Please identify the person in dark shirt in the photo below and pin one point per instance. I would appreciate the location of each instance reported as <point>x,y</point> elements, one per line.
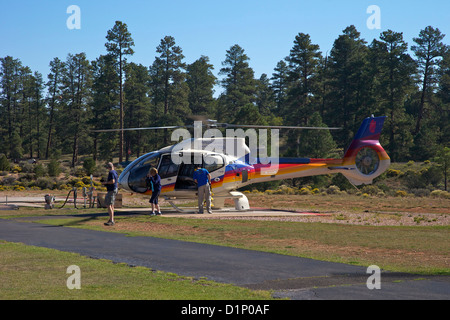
<point>154,182</point>
<point>112,190</point>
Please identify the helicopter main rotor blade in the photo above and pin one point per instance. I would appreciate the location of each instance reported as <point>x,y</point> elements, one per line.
<point>225,125</point>
<point>145,128</point>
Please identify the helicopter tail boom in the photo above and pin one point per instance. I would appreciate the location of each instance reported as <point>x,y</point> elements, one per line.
<point>364,159</point>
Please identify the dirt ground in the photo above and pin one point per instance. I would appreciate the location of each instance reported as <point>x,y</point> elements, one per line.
<point>345,209</point>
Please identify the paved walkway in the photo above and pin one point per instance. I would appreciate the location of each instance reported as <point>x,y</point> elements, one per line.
<point>297,278</point>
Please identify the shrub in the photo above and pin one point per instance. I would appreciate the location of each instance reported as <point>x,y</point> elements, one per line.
<point>333,190</point>
<point>401,193</point>
<point>19,188</point>
<point>8,181</point>
<point>80,184</point>
<point>89,166</point>
<point>4,163</point>
<point>440,194</point>
<point>305,191</point>
<point>370,189</point>
<point>39,170</point>
<point>54,169</point>
<point>45,183</point>
<point>391,173</point>
<point>27,167</point>
<point>420,192</point>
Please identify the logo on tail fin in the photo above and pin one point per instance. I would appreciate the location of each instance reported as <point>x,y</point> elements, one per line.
<point>373,126</point>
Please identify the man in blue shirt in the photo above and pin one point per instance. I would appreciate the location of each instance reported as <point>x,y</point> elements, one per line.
<point>112,188</point>
<point>203,180</point>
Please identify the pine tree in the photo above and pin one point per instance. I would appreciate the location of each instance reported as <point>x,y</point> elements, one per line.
<point>443,106</point>
<point>119,46</point>
<point>54,85</point>
<point>169,85</point>
<point>316,143</point>
<point>280,86</point>
<point>239,83</point>
<point>10,83</point>
<point>428,49</point>
<point>348,84</point>
<point>104,111</point>
<point>76,96</point>
<point>138,106</point>
<point>265,97</point>
<point>394,84</point>
<point>39,110</point>
<point>201,81</point>
<point>303,61</point>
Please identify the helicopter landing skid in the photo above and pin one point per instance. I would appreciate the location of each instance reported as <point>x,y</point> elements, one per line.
<point>240,202</point>
<point>178,208</point>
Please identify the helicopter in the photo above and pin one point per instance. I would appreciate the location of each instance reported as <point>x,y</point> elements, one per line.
<point>238,165</point>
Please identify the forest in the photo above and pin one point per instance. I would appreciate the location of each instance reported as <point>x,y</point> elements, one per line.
<point>46,117</point>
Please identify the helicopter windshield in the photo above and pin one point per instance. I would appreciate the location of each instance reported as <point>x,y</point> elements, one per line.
<point>136,181</point>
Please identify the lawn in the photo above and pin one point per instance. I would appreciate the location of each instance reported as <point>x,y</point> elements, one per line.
<point>34,273</point>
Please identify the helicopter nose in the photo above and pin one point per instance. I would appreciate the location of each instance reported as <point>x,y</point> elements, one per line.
<point>123,180</point>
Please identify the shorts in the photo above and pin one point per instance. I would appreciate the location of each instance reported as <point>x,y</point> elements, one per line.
<point>154,198</point>
<point>111,197</point>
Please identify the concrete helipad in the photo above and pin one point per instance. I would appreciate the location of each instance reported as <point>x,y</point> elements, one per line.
<point>14,202</point>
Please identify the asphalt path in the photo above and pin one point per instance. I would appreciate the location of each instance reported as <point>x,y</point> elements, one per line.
<point>293,277</point>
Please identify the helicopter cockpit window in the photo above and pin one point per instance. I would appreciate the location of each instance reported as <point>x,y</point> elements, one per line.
<point>167,168</point>
<point>212,162</point>
<point>136,181</point>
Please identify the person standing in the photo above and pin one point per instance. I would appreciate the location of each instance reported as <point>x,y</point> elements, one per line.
<point>203,179</point>
<point>154,181</point>
<point>112,190</point>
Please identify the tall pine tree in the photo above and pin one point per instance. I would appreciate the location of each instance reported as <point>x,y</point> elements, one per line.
<point>120,45</point>
<point>201,81</point>
<point>238,82</point>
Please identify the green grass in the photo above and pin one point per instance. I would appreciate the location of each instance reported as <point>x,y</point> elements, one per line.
<point>34,273</point>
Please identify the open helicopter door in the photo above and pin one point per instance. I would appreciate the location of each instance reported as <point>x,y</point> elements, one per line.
<point>215,165</point>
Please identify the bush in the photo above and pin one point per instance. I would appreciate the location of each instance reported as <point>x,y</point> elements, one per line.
<point>440,194</point>
<point>420,192</point>
<point>89,166</point>
<point>8,181</point>
<point>371,189</point>
<point>401,193</point>
<point>27,167</point>
<point>333,190</point>
<point>305,191</point>
<point>4,163</point>
<point>392,173</point>
<point>53,168</point>
<point>45,183</point>
<point>19,188</point>
<point>39,171</point>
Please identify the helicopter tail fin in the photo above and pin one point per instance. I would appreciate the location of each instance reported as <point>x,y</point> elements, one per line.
<point>365,159</point>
